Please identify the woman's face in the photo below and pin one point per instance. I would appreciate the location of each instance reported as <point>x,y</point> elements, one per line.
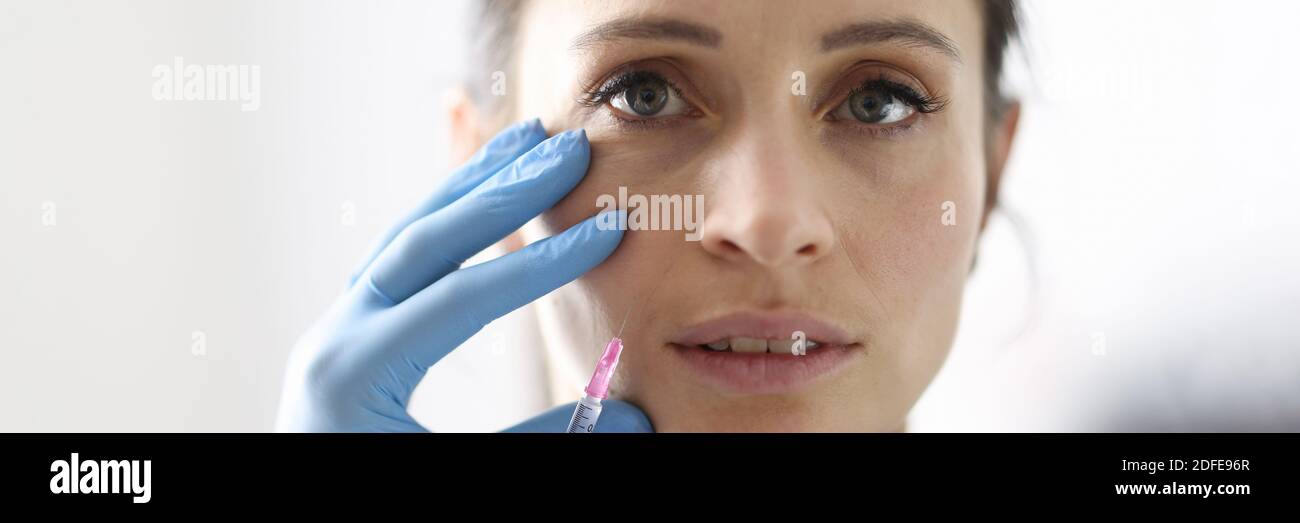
<point>839,148</point>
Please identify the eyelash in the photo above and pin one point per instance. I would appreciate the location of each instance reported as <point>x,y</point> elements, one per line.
<point>602,93</point>
<point>922,103</point>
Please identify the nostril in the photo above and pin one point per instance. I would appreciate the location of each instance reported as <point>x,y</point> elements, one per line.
<point>808,250</point>
<point>730,246</point>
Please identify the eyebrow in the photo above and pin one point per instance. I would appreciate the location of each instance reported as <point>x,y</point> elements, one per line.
<point>908,32</point>
<point>648,29</point>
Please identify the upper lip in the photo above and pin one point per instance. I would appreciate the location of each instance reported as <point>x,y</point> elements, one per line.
<point>762,325</point>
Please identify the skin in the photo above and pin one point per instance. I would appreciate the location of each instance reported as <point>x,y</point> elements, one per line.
<point>837,219</point>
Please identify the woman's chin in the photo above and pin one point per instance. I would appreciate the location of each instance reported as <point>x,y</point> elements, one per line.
<point>827,407</point>
<point>760,414</point>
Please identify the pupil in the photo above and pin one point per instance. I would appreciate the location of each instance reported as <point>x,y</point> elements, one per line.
<point>647,98</point>
<point>871,106</point>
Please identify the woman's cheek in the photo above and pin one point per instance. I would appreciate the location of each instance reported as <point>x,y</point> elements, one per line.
<point>934,238</point>
<point>931,261</point>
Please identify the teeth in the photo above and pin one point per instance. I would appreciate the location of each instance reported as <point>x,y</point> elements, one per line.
<point>756,345</point>
<point>780,346</point>
<point>748,345</point>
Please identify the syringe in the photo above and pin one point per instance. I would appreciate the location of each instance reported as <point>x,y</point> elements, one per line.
<point>588,409</point>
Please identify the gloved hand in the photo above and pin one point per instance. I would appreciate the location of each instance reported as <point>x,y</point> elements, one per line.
<point>410,303</point>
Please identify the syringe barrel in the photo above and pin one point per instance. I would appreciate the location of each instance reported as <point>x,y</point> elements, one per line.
<point>585,415</point>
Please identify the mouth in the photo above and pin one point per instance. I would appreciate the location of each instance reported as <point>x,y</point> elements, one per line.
<point>764,353</point>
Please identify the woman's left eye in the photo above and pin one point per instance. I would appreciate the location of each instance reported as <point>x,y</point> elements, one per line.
<point>875,106</point>
<point>646,96</point>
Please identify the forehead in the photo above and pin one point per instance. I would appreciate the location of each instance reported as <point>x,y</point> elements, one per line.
<point>743,25</point>
<point>792,22</point>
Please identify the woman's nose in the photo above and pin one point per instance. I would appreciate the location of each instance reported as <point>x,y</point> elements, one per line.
<point>766,211</point>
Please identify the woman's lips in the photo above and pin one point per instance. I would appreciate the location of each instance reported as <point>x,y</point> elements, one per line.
<point>745,369</point>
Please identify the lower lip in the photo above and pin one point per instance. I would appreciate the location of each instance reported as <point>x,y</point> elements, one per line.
<point>764,373</point>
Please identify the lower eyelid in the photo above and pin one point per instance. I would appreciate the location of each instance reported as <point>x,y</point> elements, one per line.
<point>640,124</point>
<point>894,130</point>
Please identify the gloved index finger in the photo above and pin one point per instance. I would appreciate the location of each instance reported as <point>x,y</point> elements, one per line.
<point>495,155</point>
<point>439,243</point>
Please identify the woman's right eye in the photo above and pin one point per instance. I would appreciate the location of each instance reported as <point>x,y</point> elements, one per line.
<point>644,95</point>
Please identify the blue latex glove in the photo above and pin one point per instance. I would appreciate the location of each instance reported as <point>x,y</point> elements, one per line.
<point>410,303</point>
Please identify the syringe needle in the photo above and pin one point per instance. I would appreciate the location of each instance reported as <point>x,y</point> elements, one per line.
<point>627,315</point>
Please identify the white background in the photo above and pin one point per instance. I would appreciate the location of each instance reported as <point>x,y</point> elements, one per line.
<point>1156,174</point>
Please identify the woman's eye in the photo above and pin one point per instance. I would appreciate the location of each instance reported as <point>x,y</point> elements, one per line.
<point>647,97</point>
<point>875,106</point>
